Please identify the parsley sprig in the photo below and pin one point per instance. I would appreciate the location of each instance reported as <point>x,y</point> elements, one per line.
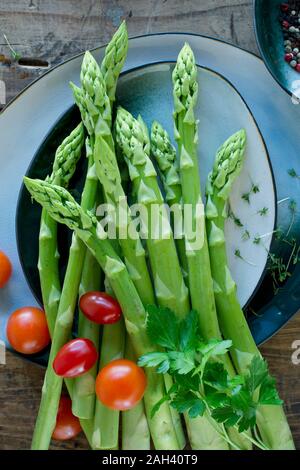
<point>201,384</point>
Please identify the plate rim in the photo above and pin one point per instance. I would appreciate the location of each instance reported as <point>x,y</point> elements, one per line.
<point>139,36</point>
<point>123,74</point>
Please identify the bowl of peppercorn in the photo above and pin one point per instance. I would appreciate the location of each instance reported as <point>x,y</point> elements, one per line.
<point>277,27</point>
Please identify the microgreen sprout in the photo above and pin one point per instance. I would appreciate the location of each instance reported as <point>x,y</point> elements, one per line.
<point>253,190</point>
<point>246,235</point>
<point>246,197</point>
<point>257,240</point>
<point>292,172</point>
<point>238,254</point>
<point>14,54</point>
<point>263,211</point>
<point>235,219</point>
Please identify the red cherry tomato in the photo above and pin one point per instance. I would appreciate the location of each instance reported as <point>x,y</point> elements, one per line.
<point>27,330</point>
<point>75,358</point>
<point>67,425</point>
<point>5,269</point>
<point>121,384</point>
<point>100,307</point>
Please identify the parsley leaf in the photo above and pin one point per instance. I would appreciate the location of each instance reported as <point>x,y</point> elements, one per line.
<point>216,376</point>
<point>188,381</point>
<point>214,347</point>
<point>268,394</point>
<point>225,415</point>
<point>189,402</point>
<point>182,362</point>
<point>162,327</point>
<point>154,359</point>
<point>189,332</point>
<point>258,371</point>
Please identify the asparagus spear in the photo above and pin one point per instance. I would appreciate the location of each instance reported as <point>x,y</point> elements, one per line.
<point>165,155</point>
<point>89,101</point>
<point>169,285</point>
<point>271,420</point>
<point>185,94</point>
<point>133,251</point>
<point>170,289</point>
<point>64,165</point>
<point>110,178</point>
<point>135,429</point>
<point>63,208</point>
<point>95,110</point>
<point>51,391</point>
<point>83,397</point>
<point>106,424</point>
<point>113,61</point>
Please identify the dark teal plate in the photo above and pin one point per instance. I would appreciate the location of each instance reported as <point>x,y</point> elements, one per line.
<point>270,42</point>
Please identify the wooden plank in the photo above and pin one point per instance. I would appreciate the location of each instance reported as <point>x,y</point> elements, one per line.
<point>56,30</point>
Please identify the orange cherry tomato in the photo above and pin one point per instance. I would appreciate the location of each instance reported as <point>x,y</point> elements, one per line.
<point>27,330</point>
<point>5,269</point>
<point>67,425</point>
<point>121,384</point>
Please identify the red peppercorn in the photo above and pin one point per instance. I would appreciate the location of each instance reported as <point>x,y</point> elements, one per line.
<point>288,57</point>
<point>297,68</point>
<point>285,24</point>
<point>284,7</point>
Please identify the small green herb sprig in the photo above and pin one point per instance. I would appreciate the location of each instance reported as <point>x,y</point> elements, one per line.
<point>237,221</point>
<point>253,190</point>
<point>246,235</point>
<point>201,384</point>
<point>14,54</point>
<point>263,211</point>
<point>238,254</point>
<point>292,172</point>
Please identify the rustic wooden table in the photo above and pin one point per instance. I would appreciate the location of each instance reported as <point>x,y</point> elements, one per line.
<point>55,30</point>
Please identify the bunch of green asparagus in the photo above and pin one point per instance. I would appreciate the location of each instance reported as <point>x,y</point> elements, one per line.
<point>186,269</point>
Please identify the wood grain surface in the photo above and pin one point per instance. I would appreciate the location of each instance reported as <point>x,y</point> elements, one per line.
<point>54,30</point>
